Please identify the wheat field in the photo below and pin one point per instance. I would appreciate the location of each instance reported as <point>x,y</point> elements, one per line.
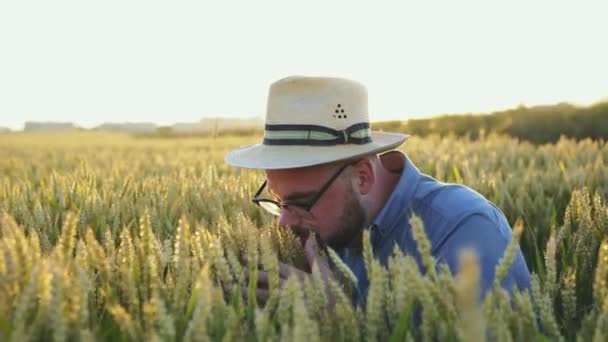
<point>107,237</point>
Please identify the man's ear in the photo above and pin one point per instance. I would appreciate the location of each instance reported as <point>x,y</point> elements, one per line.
<point>363,176</point>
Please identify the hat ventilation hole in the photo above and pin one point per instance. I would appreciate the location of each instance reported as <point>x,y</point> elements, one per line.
<point>340,111</point>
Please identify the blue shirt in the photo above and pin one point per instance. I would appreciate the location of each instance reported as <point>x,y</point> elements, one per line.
<point>454,217</point>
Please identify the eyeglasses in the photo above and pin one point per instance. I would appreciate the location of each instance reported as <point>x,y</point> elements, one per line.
<point>275,207</point>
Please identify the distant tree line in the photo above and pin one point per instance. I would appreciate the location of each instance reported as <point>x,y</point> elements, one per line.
<point>170,132</point>
<point>540,124</point>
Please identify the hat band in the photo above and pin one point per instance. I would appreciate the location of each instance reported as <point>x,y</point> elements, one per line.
<point>313,135</point>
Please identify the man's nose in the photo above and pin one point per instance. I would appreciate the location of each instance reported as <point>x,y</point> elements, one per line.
<point>288,219</point>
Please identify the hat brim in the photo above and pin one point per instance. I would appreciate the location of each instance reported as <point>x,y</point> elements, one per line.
<point>265,157</point>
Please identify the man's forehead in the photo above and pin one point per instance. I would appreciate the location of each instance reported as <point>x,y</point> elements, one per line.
<point>286,181</point>
<point>326,167</point>
<point>300,171</point>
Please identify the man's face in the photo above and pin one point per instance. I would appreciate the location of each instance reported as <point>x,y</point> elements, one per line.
<point>337,217</point>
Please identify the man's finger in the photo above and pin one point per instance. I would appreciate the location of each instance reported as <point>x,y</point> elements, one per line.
<point>261,295</point>
<point>285,270</point>
<point>310,249</point>
<point>322,264</point>
<point>245,261</point>
<point>263,278</point>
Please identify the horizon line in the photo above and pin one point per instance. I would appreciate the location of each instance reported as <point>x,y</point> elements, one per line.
<point>261,117</point>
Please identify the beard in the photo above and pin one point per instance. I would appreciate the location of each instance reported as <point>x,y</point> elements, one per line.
<point>352,223</point>
<point>350,230</point>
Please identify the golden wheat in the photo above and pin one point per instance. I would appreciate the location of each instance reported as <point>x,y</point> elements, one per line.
<point>116,238</point>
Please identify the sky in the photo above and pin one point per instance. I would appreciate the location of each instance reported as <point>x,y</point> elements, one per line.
<point>90,62</point>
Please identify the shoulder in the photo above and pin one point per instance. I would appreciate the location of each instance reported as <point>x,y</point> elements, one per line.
<point>452,201</point>
<point>454,209</point>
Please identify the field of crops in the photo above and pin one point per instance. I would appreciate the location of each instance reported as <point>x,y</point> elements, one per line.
<point>110,237</point>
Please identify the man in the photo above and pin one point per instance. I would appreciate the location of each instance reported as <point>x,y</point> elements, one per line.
<point>324,174</point>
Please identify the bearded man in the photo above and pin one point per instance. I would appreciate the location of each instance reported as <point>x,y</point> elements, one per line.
<point>328,173</point>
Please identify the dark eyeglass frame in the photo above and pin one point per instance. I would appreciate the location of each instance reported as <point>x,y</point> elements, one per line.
<point>263,202</point>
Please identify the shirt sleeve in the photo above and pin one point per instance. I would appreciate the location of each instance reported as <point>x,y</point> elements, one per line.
<point>489,240</point>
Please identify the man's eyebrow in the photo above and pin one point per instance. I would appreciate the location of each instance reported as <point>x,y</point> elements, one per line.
<point>295,195</point>
<point>299,195</point>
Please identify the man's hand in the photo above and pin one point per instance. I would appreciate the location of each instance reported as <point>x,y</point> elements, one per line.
<point>285,271</point>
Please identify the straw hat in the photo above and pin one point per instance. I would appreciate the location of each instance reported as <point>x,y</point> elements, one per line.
<point>311,121</point>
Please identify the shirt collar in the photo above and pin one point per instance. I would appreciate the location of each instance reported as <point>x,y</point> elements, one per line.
<point>400,199</point>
